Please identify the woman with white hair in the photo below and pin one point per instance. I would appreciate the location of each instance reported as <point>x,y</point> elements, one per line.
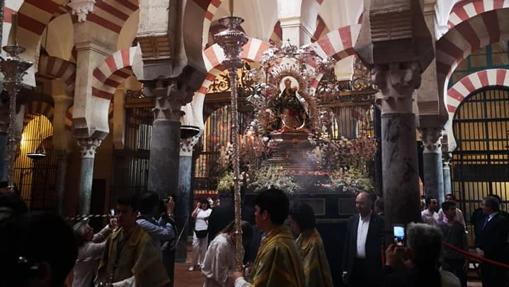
<point>91,247</point>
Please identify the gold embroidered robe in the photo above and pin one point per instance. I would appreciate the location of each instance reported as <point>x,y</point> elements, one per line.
<point>316,267</point>
<point>137,256</point>
<point>278,262</point>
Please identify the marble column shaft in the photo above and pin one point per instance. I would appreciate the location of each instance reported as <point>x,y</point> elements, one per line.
<point>164,157</point>
<point>61,139</point>
<point>447,177</point>
<point>183,209</point>
<point>432,164</point>
<point>184,204</point>
<point>399,147</point>
<point>88,150</point>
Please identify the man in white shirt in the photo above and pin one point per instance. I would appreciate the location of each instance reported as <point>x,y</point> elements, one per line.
<point>430,215</point>
<point>459,214</point>
<point>363,245</point>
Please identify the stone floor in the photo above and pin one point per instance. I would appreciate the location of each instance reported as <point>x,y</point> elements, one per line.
<point>184,278</point>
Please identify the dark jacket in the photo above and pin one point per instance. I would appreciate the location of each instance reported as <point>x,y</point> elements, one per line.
<point>493,238</point>
<point>374,246</point>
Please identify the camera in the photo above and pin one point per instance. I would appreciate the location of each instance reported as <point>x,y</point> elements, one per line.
<point>399,235</point>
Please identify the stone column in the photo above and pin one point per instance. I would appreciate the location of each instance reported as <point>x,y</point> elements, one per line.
<point>432,163</point>
<point>165,141</point>
<point>183,205</point>
<point>61,140</point>
<point>397,82</point>
<point>447,177</point>
<point>88,148</point>
<point>377,124</point>
<point>60,182</point>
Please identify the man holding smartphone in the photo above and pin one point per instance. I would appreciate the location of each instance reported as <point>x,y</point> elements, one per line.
<point>363,245</point>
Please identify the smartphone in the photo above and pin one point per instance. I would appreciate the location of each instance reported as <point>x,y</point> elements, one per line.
<point>399,235</point>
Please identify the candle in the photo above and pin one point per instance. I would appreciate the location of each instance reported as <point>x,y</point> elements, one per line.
<point>231,7</point>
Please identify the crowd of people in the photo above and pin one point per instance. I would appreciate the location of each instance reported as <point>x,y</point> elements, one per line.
<point>137,246</point>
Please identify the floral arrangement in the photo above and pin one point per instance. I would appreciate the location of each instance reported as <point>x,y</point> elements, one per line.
<point>347,161</point>
<point>272,177</point>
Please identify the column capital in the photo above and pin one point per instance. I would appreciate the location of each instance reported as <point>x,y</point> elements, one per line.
<point>81,8</point>
<point>431,139</point>
<point>397,81</point>
<point>88,147</point>
<point>187,145</point>
<point>169,101</point>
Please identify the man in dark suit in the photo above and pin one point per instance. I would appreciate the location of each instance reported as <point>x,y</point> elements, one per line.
<point>493,241</point>
<point>362,256</point>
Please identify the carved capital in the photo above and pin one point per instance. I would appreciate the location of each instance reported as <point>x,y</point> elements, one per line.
<point>81,8</point>
<point>397,82</point>
<point>431,140</point>
<point>187,145</point>
<point>169,101</point>
<point>88,147</point>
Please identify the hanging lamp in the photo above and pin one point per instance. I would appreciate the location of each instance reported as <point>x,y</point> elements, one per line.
<point>40,151</point>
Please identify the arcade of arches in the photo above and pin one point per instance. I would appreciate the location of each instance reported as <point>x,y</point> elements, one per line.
<point>129,96</point>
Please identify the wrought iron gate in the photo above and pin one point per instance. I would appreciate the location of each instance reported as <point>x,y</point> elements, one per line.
<point>480,163</point>
<point>132,162</point>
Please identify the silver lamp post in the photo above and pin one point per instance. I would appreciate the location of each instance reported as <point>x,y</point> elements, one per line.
<point>232,39</point>
<point>13,68</point>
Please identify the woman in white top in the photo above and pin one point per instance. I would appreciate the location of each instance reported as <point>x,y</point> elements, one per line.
<point>201,216</point>
<point>91,247</point>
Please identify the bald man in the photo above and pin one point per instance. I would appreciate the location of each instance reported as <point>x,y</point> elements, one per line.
<point>363,245</point>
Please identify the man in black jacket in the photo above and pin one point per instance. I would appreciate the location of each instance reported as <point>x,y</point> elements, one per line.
<point>363,246</point>
<point>493,241</point>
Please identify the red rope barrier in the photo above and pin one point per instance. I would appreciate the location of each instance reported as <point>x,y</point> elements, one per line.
<point>476,257</point>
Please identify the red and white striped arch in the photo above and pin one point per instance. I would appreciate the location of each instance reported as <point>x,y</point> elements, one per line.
<point>321,29</point>
<point>337,44</point>
<point>465,39</point>
<point>464,10</point>
<point>253,50</point>
<point>213,56</point>
<point>211,7</point>
<point>277,33</point>
<point>55,68</point>
<point>468,85</point>
<point>107,76</point>
<point>33,18</point>
<point>112,72</point>
<point>112,14</point>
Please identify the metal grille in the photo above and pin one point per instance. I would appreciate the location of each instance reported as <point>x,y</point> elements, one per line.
<point>35,179</point>
<point>217,134</point>
<point>351,122</point>
<point>480,163</point>
<point>132,162</point>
